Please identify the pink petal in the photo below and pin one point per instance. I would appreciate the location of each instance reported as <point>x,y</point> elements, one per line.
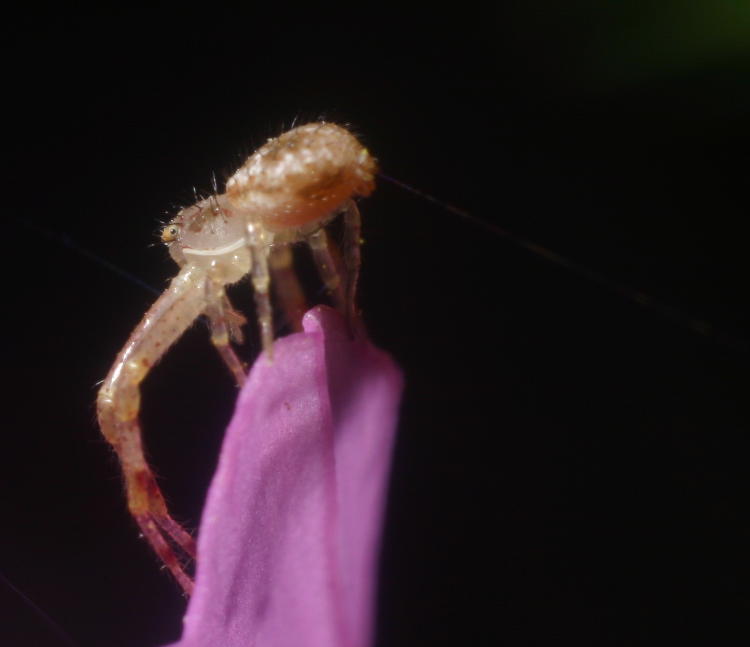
<point>289,539</point>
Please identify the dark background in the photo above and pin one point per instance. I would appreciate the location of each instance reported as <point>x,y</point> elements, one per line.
<point>571,467</point>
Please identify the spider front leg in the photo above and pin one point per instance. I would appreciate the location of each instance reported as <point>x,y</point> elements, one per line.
<point>225,324</point>
<point>118,405</point>
<point>235,320</point>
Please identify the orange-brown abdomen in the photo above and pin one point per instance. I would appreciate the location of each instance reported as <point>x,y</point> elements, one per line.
<point>302,176</point>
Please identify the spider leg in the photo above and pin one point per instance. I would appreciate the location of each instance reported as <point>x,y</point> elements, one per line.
<point>351,251</point>
<point>154,521</point>
<point>221,325</point>
<point>118,405</point>
<point>286,286</point>
<point>259,242</point>
<point>326,264</point>
<point>235,320</point>
<point>164,552</point>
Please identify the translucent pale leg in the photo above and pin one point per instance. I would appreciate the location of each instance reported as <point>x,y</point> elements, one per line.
<point>259,243</point>
<point>235,319</point>
<point>326,264</point>
<point>352,242</point>
<point>118,405</point>
<point>219,311</point>
<point>286,286</point>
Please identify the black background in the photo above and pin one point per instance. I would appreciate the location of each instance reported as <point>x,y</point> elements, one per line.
<point>571,467</point>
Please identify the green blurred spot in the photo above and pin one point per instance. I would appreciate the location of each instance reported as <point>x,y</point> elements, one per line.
<point>619,41</point>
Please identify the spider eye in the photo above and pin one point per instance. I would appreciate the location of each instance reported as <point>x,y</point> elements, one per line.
<point>169,233</point>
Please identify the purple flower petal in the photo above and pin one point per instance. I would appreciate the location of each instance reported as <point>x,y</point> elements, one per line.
<point>289,537</point>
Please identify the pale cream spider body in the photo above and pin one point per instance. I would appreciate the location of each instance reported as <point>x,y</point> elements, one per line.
<point>286,192</point>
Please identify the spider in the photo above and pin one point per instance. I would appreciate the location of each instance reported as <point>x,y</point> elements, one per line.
<point>286,192</point>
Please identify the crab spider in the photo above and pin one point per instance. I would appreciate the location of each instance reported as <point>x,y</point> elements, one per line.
<point>286,192</point>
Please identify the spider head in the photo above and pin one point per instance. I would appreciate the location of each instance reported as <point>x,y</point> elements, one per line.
<point>211,235</point>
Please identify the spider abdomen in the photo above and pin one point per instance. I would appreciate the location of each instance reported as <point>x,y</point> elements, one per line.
<point>302,176</point>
